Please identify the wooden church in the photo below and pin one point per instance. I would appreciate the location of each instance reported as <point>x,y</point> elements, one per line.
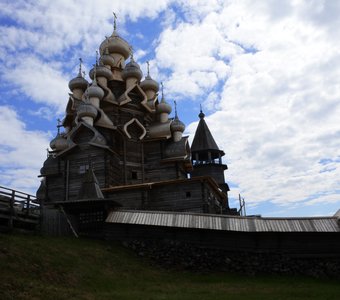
<point>120,149</point>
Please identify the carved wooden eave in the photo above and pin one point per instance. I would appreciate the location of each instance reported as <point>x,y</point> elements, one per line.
<point>117,72</point>
<point>70,104</point>
<point>75,146</point>
<point>103,120</point>
<point>125,97</point>
<point>177,151</point>
<point>159,130</point>
<point>66,151</point>
<point>139,124</point>
<point>97,137</point>
<point>149,105</point>
<point>108,96</point>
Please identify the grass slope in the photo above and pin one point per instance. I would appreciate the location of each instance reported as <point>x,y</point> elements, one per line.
<point>34,267</point>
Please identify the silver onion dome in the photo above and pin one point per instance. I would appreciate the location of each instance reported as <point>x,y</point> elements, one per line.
<point>163,107</point>
<point>78,82</point>
<point>132,69</point>
<point>177,125</point>
<point>149,84</point>
<point>115,44</point>
<point>102,71</point>
<point>107,59</point>
<point>94,90</point>
<point>87,110</point>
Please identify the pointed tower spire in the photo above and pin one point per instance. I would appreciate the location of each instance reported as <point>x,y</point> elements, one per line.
<point>204,144</point>
<point>207,157</point>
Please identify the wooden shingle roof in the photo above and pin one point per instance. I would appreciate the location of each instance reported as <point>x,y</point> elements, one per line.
<point>223,222</point>
<point>203,139</point>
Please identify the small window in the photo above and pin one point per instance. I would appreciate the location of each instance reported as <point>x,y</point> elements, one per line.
<point>188,194</point>
<point>83,169</point>
<point>134,175</point>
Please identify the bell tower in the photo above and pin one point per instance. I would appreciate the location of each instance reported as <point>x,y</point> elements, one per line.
<point>206,157</point>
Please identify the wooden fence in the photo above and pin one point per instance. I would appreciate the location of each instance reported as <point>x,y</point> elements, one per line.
<point>18,210</point>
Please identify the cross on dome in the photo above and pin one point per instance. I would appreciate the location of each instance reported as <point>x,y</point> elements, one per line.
<point>175,104</point>
<point>59,125</point>
<point>114,21</point>
<point>80,64</point>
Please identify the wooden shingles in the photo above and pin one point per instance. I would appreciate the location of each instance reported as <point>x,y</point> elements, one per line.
<point>223,222</point>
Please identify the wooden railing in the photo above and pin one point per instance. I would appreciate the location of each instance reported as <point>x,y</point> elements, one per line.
<point>18,209</point>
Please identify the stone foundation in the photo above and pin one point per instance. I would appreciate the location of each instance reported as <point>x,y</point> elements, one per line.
<point>179,255</point>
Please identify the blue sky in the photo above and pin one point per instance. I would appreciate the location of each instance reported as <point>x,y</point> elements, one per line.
<point>266,73</point>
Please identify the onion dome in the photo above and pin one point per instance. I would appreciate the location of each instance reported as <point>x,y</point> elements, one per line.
<point>59,143</point>
<point>102,71</point>
<point>177,124</point>
<point>78,82</point>
<point>132,69</point>
<point>87,110</point>
<point>53,143</point>
<point>107,59</point>
<point>94,90</point>
<point>148,83</point>
<point>163,106</point>
<point>99,70</point>
<point>50,166</point>
<point>115,44</point>
<point>201,115</point>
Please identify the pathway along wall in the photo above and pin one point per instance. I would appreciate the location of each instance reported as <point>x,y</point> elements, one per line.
<point>312,254</point>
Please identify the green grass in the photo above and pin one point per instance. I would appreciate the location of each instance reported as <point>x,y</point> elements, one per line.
<point>34,267</point>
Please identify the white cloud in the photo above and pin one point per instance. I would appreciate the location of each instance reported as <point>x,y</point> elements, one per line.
<point>22,152</point>
<point>43,112</point>
<point>43,82</point>
<point>269,68</point>
<point>279,108</point>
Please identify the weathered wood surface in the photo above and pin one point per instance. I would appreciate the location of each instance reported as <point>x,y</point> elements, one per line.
<point>225,223</point>
<point>18,209</point>
<point>190,195</point>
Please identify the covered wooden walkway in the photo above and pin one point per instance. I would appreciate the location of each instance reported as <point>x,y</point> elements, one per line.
<point>18,210</point>
<point>225,222</point>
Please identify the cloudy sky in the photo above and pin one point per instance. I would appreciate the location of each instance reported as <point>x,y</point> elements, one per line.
<point>267,74</point>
